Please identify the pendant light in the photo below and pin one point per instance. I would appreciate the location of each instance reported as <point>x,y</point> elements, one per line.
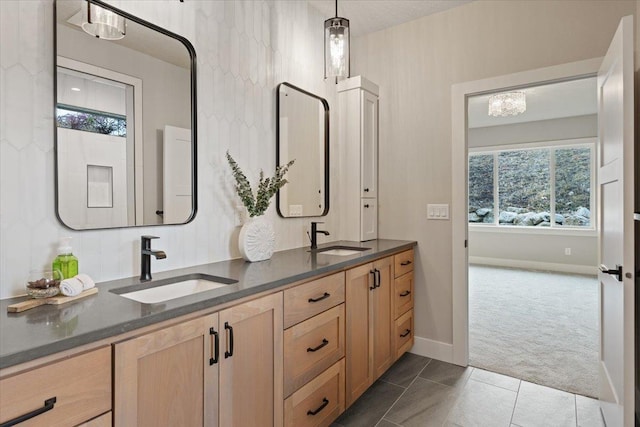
<point>102,23</point>
<point>336,47</point>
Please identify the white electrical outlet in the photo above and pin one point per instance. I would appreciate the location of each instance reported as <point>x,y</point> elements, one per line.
<point>567,251</point>
<point>437,211</point>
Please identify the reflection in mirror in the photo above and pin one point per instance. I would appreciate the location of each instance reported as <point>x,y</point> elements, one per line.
<point>302,133</point>
<point>125,121</point>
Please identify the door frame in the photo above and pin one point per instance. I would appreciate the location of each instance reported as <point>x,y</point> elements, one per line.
<point>460,93</point>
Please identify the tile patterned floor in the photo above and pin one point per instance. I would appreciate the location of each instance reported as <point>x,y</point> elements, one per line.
<point>421,392</point>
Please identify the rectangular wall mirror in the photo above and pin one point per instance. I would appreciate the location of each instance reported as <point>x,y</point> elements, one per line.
<point>302,133</point>
<point>125,138</point>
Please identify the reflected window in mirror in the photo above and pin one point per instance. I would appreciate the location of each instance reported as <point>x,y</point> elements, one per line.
<point>302,134</point>
<point>126,104</point>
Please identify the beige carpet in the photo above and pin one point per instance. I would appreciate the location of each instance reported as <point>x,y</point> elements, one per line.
<point>538,326</point>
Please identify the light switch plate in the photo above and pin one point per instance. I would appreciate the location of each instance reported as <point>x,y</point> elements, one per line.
<point>437,211</point>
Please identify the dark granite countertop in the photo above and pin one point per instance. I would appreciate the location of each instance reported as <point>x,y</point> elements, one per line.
<point>49,329</point>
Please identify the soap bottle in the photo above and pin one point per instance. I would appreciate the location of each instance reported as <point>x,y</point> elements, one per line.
<point>65,261</point>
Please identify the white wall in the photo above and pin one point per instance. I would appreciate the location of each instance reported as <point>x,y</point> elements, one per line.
<point>415,65</point>
<point>244,48</point>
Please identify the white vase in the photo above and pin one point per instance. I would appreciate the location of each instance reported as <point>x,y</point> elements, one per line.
<point>257,239</point>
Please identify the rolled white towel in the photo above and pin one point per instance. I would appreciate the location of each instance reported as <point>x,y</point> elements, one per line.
<point>87,282</point>
<point>71,287</point>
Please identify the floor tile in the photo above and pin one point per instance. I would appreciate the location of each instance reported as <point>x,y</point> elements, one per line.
<point>543,406</point>
<point>446,373</point>
<point>371,406</point>
<point>482,404</point>
<point>588,411</point>
<point>492,378</point>
<point>386,423</point>
<point>405,370</point>
<point>425,403</point>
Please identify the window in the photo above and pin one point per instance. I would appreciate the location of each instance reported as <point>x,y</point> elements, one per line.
<point>532,187</point>
<point>91,121</point>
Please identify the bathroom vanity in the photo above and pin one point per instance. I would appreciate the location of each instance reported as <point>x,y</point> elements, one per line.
<point>295,340</point>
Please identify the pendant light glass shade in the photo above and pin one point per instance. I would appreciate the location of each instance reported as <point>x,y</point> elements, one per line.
<point>102,23</point>
<point>336,47</point>
<point>507,104</point>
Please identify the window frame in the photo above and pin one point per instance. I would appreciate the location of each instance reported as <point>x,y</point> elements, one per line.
<point>551,145</point>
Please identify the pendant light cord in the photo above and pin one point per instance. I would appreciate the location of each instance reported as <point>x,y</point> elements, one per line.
<point>336,8</point>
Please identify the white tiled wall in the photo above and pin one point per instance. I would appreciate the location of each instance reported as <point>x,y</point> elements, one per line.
<point>244,49</point>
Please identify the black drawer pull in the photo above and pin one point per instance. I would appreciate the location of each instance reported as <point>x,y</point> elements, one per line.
<point>325,296</point>
<point>375,280</point>
<point>215,346</point>
<point>324,342</point>
<point>48,405</point>
<point>325,402</point>
<point>406,332</point>
<point>405,293</point>
<point>366,190</point>
<point>405,263</point>
<point>366,206</point>
<point>230,335</point>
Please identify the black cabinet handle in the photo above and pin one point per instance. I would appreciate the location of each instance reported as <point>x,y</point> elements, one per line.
<point>215,346</point>
<point>312,350</point>
<point>325,296</point>
<point>405,293</point>
<point>405,263</point>
<point>375,280</point>
<point>406,332</point>
<point>366,206</point>
<point>230,335</point>
<point>325,402</point>
<point>366,190</point>
<point>379,279</point>
<point>48,405</point>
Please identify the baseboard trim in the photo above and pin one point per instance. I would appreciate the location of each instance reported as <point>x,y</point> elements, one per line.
<point>433,349</point>
<point>535,265</point>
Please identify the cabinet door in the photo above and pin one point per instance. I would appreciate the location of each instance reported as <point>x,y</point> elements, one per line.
<point>368,219</point>
<point>251,363</point>
<point>359,345</point>
<point>164,378</point>
<point>369,145</point>
<point>382,315</point>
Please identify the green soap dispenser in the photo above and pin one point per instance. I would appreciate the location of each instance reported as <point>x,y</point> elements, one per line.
<point>65,261</point>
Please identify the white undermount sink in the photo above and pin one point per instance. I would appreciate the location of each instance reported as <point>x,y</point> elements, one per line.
<point>168,289</point>
<point>340,250</point>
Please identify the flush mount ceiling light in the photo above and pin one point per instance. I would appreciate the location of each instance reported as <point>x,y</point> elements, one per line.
<point>336,47</point>
<point>507,104</point>
<point>102,23</point>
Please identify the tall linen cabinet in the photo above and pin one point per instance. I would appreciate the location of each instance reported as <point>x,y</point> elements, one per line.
<point>358,158</point>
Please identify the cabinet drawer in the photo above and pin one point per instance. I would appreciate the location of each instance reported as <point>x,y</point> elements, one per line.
<point>403,294</point>
<point>319,402</point>
<point>307,300</point>
<point>312,346</point>
<point>404,333</point>
<point>81,386</point>
<point>103,420</point>
<point>403,263</point>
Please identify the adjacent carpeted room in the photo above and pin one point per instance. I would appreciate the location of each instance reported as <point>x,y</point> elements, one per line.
<point>538,326</point>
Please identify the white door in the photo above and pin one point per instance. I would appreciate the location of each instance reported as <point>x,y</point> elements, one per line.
<point>616,186</point>
<point>177,186</point>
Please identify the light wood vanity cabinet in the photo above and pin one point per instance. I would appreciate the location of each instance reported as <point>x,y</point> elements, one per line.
<point>370,320</point>
<point>67,392</point>
<point>220,369</point>
<point>403,303</point>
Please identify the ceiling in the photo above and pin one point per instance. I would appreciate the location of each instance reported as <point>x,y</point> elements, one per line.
<point>550,101</point>
<point>368,16</point>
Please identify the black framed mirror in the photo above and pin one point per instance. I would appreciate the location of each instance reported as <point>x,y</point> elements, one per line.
<point>125,119</point>
<point>302,133</point>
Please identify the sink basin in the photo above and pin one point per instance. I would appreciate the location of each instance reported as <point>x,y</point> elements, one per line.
<point>175,287</point>
<point>340,250</point>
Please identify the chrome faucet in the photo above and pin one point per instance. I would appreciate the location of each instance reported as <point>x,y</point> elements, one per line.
<point>145,258</point>
<point>314,234</point>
